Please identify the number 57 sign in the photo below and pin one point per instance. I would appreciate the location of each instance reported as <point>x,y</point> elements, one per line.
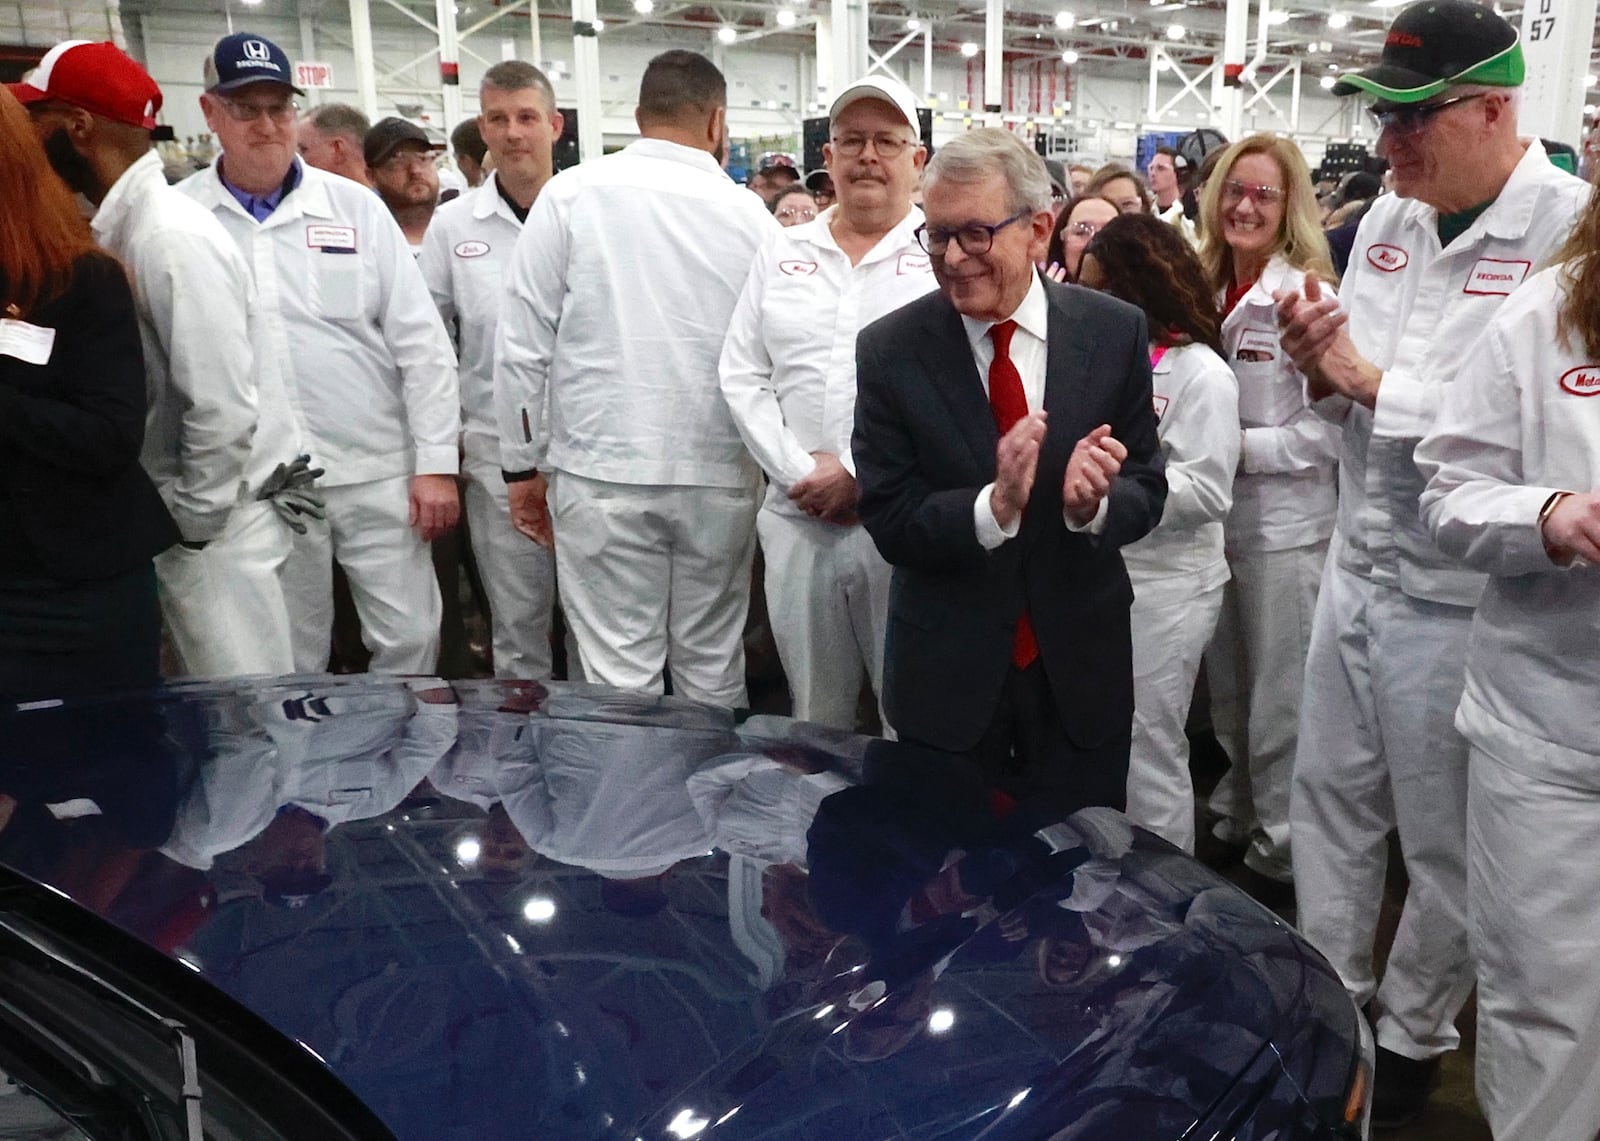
<point>1555,43</point>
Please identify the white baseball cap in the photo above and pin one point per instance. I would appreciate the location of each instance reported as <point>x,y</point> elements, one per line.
<point>883,88</point>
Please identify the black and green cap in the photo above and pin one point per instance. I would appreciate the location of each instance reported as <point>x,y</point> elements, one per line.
<point>1437,44</point>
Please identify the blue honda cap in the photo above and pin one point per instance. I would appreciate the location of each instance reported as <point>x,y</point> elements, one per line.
<point>245,58</point>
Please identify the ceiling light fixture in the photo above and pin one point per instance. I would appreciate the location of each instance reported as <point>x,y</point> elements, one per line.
<point>1176,31</point>
<point>969,49</point>
<point>1327,82</point>
<point>913,25</point>
<point>786,18</point>
<point>1337,20</point>
<point>1069,57</point>
<point>1278,18</point>
<point>1065,19</point>
<point>644,7</point>
<point>727,34</point>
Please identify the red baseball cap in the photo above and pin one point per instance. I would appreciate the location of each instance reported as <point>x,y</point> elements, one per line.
<point>101,78</point>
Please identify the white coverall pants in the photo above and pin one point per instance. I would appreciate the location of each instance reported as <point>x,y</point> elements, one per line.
<point>828,598</point>
<point>1533,883</point>
<point>518,575</point>
<point>656,578</point>
<point>1255,668</point>
<point>391,579</point>
<point>1170,633</point>
<point>224,605</point>
<point>1379,749</point>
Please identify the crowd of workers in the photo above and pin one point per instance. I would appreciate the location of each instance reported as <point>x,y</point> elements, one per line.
<point>1337,445</point>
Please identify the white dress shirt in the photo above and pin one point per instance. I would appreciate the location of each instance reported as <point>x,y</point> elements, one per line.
<point>347,320</point>
<point>1029,354</point>
<point>619,297</point>
<point>789,364</point>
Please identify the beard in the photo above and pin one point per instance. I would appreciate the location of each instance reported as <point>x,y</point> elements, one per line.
<point>71,166</point>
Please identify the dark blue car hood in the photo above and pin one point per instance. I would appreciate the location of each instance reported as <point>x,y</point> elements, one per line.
<point>607,916</point>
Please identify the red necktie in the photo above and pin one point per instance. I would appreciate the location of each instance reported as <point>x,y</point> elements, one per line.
<point>1010,404</point>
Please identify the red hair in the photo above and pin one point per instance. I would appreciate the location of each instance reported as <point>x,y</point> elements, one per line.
<point>42,232</point>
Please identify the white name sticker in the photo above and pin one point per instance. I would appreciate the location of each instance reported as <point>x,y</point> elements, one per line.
<point>30,344</point>
<point>797,268</point>
<point>912,263</point>
<point>1494,277</point>
<point>340,238</point>
<point>1258,341</point>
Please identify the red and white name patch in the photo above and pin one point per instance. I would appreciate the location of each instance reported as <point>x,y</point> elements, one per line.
<point>797,268</point>
<point>1160,403</point>
<point>1493,277</point>
<point>471,249</point>
<point>1582,381</point>
<point>1387,258</point>
<point>912,263</point>
<point>324,237</point>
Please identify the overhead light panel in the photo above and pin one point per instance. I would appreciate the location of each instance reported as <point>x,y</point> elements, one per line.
<point>598,25</point>
<point>1337,20</point>
<point>969,49</point>
<point>644,7</point>
<point>1065,19</point>
<point>1069,57</point>
<point>727,33</point>
<point>1278,18</point>
<point>1176,31</point>
<point>786,17</point>
<point>1327,82</point>
<point>913,25</point>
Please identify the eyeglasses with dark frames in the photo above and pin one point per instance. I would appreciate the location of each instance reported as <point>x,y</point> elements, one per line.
<point>975,238</point>
<point>1410,120</point>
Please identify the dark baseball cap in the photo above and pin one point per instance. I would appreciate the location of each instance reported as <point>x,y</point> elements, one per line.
<point>245,58</point>
<point>386,135</point>
<point>1436,44</point>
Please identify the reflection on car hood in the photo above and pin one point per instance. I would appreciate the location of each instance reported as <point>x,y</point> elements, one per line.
<point>511,911</point>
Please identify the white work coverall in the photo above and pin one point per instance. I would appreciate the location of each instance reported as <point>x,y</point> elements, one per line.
<point>372,381</point>
<point>1522,423</point>
<point>789,375</point>
<point>618,299</point>
<point>215,428</point>
<point>1378,747</point>
<point>465,257</point>
<point>1284,500</point>
<point>1178,572</point>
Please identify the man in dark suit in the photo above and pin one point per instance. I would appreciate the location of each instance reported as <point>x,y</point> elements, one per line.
<point>1006,449</point>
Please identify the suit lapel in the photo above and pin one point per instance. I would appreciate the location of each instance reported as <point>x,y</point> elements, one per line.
<point>1065,375</point>
<point>946,356</point>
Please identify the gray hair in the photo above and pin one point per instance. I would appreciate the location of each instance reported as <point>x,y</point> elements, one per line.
<point>340,119</point>
<point>988,151</point>
<point>519,75</point>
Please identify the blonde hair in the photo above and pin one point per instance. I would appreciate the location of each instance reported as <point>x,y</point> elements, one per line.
<point>1300,240</point>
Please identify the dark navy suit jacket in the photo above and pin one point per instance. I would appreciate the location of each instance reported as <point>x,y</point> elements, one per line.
<point>924,446</point>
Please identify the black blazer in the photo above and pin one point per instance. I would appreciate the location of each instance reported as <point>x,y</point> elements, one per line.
<point>70,433</point>
<point>924,446</point>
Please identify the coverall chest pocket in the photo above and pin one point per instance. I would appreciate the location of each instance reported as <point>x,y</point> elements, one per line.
<point>337,278</point>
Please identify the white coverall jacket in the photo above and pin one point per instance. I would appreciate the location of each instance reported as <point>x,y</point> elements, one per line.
<point>619,297</point>
<point>192,290</point>
<point>348,320</point>
<point>1385,671</point>
<point>788,365</point>
<point>1523,422</point>
<point>1285,493</point>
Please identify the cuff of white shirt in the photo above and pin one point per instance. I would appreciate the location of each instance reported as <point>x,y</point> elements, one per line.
<point>990,533</point>
<point>439,459</point>
<point>1094,526</point>
<point>1402,410</point>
